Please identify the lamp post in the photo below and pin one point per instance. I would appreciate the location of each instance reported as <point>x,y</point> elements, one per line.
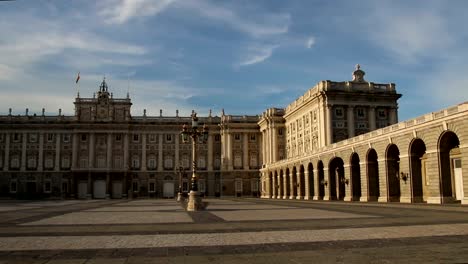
<point>181,172</point>
<point>194,199</point>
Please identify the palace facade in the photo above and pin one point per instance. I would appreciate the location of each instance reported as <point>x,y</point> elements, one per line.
<point>339,141</point>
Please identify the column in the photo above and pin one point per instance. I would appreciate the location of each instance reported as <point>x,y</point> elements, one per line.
<point>267,139</point>
<point>177,146</point>
<point>125,154</point>
<point>245,151</point>
<point>274,148</point>
<point>300,195</point>
<point>285,185</point>
<point>143,151</point>
<point>393,118</point>
<point>91,150</point>
<point>307,185</point>
<point>210,152</point>
<point>316,186</point>
<point>329,124</point>
<point>273,186</point>
<point>57,152</point>
<point>109,151</point>
<point>40,160</point>
<point>260,155</point>
<point>364,189</point>
<point>326,177</point>
<point>229,152</point>
<point>160,152</point>
<point>291,184</point>
<point>23,152</point>
<point>372,118</point>
<point>6,163</point>
<point>383,183</point>
<point>280,192</point>
<point>348,171</point>
<point>351,125</point>
<point>75,151</point>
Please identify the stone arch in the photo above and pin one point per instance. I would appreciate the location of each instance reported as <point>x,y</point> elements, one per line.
<point>355,180</point>
<point>302,189</point>
<point>417,156</point>
<point>321,179</point>
<point>392,157</point>
<point>311,190</point>
<point>337,179</point>
<point>287,188</point>
<point>451,187</point>
<point>372,175</point>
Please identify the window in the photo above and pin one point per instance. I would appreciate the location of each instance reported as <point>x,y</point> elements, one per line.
<point>339,112</point>
<point>135,162</point>
<point>50,137</point>
<point>83,163</point>
<point>237,137</point>
<point>101,162</point>
<point>238,185</point>
<point>254,185</point>
<point>168,163</point>
<point>47,186</point>
<point>32,138</point>
<point>118,162</point>
<point>118,137</point>
<point>360,112</point>
<point>66,162</point>
<point>362,125</point>
<point>13,186</point>
<point>31,162</point>
<point>253,160</point>
<point>66,138</point>
<point>49,162</point>
<point>152,138</point>
<point>201,163</point>
<point>152,163</point>
<point>84,137</point>
<point>201,186</point>
<point>339,124</point>
<point>135,186</point>
<point>16,137</point>
<point>136,137</point>
<point>152,187</point>
<point>217,162</point>
<point>382,113</point>
<point>217,138</point>
<point>280,131</point>
<point>253,137</point>
<point>238,160</point>
<point>168,138</point>
<point>14,163</point>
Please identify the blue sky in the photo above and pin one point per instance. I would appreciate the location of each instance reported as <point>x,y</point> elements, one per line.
<point>241,55</point>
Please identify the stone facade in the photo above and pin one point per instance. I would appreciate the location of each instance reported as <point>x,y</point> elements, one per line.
<point>339,141</point>
<point>104,152</point>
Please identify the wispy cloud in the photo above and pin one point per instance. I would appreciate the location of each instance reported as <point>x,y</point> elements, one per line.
<point>310,42</point>
<point>257,53</point>
<point>121,11</point>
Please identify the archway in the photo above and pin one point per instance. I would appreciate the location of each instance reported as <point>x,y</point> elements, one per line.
<point>451,179</point>
<point>310,169</point>
<point>302,182</point>
<point>321,179</point>
<point>287,188</point>
<point>355,177</point>
<point>393,171</point>
<point>417,152</point>
<point>337,182</point>
<point>372,175</point>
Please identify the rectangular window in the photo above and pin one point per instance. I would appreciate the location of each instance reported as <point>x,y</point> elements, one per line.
<point>66,138</point>
<point>47,186</point>
<point>32,138</point>
<point>168,138</point>
<point>382,113</point>
<point>16,137</point>
<point>217,138</point>
<point>152,138</point>
<point>135,186</point>
<point>253,137</point>
<point>360,112</point>
<point>136,137</point>
<point>84,137</point>
<point>50,137</point>
<point>118,137</point>
<point>280,131</point>
<point>339,112</point>
<point>237,137</point>
<point>152,187</point>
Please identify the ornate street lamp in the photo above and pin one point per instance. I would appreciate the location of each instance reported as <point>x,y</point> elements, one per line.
<point>194,132</point>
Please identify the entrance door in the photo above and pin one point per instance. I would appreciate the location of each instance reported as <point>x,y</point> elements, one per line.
<point>82,190</point>
<point>168,190</point>
<point>117,190</point>
<point>99,189</point>
<point>458,177</point>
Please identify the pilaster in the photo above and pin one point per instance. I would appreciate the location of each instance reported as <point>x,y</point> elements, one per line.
<point>6,163</point>
<point>364,185</point>
<point>307,185</point>
<point>245,151</point>
<point>143,151</point>
<point>23,152</point>
<point>160,152</point>
<point>40,161</point>
<point>57,152</point>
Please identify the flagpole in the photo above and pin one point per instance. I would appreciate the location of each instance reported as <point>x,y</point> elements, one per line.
<point>78,85</point>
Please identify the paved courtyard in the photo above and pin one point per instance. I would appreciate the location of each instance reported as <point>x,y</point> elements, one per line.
<point>231,231</point>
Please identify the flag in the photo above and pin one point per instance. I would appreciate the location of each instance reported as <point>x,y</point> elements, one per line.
<point>77,77</point>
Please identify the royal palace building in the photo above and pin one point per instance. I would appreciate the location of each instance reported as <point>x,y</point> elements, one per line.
<point>338,141</point>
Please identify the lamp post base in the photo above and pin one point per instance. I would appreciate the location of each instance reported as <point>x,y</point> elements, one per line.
<point>194,202</point>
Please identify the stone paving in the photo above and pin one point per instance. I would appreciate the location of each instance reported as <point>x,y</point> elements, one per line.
<point>231,231</point>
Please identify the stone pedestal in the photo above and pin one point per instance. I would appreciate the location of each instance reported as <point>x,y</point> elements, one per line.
<point>179,196</point>
<point>194,202</point>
